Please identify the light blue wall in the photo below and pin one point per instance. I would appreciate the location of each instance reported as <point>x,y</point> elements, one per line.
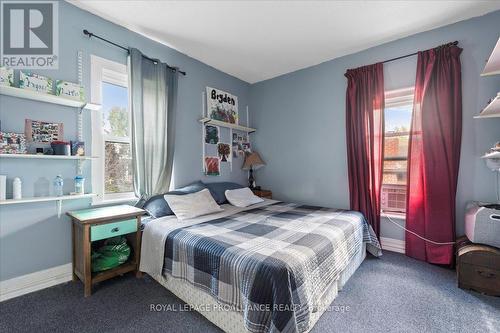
<point>300,119</point>
<point>32,238</point>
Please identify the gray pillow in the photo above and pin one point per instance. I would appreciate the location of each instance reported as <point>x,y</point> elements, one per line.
<point>218,190</point>
<point>157,207</point>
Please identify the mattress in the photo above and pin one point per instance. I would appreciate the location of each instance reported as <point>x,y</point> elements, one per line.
<point>231,321</point>
<point>277,265</point>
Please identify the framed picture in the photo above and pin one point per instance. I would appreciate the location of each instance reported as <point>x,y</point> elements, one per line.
<point>43,132</point>
<point>212,166</point>
<point>222,106</point>
<point>211,134</point>
<point>70,90</point>
<point>12,143</point>
<point>6,77</point>
<point>35,82</point>
<point>224,151</point>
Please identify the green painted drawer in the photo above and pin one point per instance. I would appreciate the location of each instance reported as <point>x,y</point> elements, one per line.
<point>113,229</point>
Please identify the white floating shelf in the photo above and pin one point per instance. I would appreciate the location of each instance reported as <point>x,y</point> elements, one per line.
<point>495,154</point>
<point>492,110</point>
<point>47,98</point>
<point>44,199</point>
<point>227,125</point>
<point>493,65</point>
<point>47,157</point>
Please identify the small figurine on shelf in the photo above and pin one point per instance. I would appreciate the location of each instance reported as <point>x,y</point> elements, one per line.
<point>77,148</point>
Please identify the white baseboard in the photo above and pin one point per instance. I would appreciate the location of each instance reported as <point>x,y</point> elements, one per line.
<point>28,283</point>
<point>391,244</point>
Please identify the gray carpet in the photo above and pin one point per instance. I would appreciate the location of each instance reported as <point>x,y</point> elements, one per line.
<point>391,294</point>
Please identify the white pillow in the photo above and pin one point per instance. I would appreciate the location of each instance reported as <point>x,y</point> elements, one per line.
<point>191,205</point>
<point>242,197</point>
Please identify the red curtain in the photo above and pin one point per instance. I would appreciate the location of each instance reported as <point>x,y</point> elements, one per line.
<point>365,139</point>
<point>434,154</point>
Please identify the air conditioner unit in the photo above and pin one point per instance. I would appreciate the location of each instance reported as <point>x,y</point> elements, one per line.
<point>393,198</point>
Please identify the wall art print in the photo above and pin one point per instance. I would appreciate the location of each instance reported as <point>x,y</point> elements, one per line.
<point>35,82</point>
<point>211,134</point>
<point>212,166</point>
<point>43,132</point>
<point>224,151</point>
<point>12,143</point>
<point>222,106</point>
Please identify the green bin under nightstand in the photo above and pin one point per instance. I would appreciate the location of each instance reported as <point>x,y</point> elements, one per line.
<point>89,225</point>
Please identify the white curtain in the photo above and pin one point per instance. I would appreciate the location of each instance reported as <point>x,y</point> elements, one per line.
<point>153,95</point>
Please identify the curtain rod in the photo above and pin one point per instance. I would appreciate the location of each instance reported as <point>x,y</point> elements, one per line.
<point>90,34</point>
<point>415,53</point>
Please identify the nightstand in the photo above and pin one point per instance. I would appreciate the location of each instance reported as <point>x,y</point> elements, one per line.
<point>90,225</point>
<point>263,193</point>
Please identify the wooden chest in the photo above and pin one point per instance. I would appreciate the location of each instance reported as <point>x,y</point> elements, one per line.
<point>478,267</point>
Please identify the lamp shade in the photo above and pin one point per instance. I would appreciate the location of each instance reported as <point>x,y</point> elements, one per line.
<point>253,161</point>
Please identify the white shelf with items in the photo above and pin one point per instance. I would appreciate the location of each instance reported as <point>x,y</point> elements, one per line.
<point>47,98</point>
<point>44,199</point>
<point>493,65</point>
<point>208,121</point>
<point>492,110</point>
<point>495,154</point>
<point>47,157</point>
<point>58,200</point>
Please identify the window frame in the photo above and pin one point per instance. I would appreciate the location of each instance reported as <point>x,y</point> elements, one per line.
<point>104,70</point>
<point>396,98</point>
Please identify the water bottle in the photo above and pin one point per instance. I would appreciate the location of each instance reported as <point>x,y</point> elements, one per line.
<point>58,186</point>
<point>79,184</point>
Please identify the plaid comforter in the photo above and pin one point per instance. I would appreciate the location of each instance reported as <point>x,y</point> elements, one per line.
<point>273,263</point>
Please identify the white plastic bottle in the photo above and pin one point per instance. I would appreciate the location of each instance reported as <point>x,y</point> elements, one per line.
<point>16,188</point>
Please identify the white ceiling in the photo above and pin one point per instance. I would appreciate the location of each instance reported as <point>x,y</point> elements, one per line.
<point>259,40</point>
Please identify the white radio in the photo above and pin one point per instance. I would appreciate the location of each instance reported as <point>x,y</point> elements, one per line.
<point>482,223</point>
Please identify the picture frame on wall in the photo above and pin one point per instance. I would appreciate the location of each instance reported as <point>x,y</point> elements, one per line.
<point>222,106</point>
<point>12,143</point>
<point>212,166</point>
<point>35,82</point>
<point>42,131</point>
<point>6,76</point>
<point>70,90</point>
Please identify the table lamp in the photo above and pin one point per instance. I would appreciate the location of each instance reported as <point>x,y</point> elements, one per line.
<point>252,162</point>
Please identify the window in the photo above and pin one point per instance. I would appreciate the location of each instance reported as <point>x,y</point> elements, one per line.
<point>397,115</point>
<point>112,173</point>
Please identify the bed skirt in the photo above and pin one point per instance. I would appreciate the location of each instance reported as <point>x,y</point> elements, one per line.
<point>232,321</point>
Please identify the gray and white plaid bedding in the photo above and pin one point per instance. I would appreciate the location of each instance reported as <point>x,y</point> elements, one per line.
<point>273,262</point>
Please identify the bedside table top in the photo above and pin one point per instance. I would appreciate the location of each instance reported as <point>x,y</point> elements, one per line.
<point>261,191</point>
<point>105,213</point>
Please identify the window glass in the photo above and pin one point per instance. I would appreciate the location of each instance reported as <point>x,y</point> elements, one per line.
<point>397,130</point>
<point>118,168</point>
<point>115,110</point>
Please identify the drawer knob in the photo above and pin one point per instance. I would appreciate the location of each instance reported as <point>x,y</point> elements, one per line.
<point>487,275</point>
<point>116,229</point>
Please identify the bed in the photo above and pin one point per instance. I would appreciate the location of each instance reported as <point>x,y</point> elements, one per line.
<point>270,267</point>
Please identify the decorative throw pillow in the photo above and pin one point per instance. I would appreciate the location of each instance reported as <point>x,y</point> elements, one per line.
<point>192,205</point>
<point>242,197</point>
<point>157,207</point>
<point>218,190</point>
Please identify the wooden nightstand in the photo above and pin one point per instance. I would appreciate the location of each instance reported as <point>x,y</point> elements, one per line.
<point>91,225</point>
<point>263,193</point>
<point>478,267</point>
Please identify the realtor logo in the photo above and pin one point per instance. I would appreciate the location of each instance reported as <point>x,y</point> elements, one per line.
<point>30,34</point>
